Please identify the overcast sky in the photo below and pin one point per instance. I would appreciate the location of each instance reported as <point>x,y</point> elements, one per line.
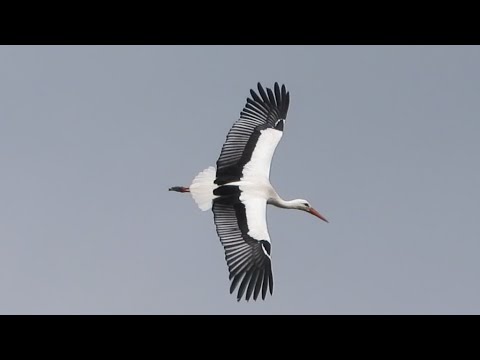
<point>382,140</point>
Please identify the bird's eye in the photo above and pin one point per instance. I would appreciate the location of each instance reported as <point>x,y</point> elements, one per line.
<point>306,204</point>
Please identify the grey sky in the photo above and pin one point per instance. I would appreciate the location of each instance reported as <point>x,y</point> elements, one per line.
<point>382,140</point>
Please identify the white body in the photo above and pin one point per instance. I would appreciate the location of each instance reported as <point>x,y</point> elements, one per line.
<point>254,184</point>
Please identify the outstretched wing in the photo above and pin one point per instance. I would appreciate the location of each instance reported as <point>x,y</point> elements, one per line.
<point>252,140</point>
<point>243,232</point>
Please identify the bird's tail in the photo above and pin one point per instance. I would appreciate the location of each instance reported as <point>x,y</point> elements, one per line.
<point>202,188</point>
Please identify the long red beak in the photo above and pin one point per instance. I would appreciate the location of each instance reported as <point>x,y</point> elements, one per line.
<point>317,214</point>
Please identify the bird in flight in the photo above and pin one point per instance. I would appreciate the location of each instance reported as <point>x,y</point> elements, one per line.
<point>238,191</point>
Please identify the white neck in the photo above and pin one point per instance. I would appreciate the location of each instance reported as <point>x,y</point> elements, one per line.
<point>285,204</point>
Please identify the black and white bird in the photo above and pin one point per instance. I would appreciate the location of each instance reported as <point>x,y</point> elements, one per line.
<point>239,189</point>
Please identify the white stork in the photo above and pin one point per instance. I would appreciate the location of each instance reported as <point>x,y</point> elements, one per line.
<point>238,191</point>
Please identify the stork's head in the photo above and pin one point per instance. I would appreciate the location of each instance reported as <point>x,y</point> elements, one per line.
<point>304,205</point>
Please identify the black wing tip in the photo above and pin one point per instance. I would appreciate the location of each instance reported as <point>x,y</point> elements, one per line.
<point>263,297</point>
<point>277,100</point>
<point>276,85</point>
<point>266,287</point>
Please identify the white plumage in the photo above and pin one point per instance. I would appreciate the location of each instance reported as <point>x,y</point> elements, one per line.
<point>202,188</point>
<point>238,191</point>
